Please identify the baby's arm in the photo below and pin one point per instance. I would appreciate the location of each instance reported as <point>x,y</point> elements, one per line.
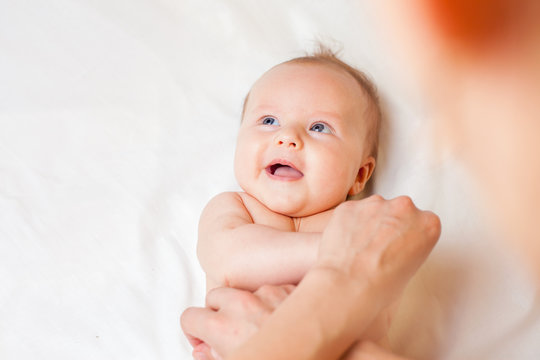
<point>235,252</point>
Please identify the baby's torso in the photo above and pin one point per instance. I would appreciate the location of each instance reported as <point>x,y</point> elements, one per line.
<point>261,215</point>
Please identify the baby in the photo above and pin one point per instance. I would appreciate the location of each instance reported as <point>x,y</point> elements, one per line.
<point>307,142</point>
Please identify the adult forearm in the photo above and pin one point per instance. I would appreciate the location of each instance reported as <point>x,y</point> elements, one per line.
<point>320,320</point>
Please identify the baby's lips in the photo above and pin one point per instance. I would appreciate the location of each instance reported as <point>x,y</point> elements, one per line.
<point>278,162</point>
<point>287,172</point>
<point>281,169</point>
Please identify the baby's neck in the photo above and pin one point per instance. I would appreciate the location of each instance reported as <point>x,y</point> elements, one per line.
<point>262,215</point>
<point>312,223</point>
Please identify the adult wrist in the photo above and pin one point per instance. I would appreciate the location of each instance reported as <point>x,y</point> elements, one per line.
<point>352,302</point>
<point>326,313</point>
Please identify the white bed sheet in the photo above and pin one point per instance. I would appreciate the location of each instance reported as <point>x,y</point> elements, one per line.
<point>117,124</point>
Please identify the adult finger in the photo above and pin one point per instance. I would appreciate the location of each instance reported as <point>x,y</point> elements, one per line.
<point>432,224</point>
<point>373,198</point>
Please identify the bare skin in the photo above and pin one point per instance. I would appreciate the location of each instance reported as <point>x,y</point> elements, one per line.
<point>483,77</point>
<point>299,154</point>
<point>368,252</point>
<point>243,244</point>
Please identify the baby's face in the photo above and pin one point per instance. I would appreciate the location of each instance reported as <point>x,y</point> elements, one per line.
<point>301,141</point>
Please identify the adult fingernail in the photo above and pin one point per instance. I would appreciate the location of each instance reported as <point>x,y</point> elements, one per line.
<point>200,356</point>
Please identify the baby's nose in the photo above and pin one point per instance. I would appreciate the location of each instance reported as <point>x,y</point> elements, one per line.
<point>289,140</point>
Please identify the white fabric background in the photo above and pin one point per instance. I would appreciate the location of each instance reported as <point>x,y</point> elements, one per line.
<point>117,124</point>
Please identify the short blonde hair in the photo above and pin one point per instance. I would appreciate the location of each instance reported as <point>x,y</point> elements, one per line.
<point>325,56</point>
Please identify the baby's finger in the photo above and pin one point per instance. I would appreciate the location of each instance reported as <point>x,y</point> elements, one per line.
<point>223,296</point>
<point>272,296</point>
<point>366,350</point>
<point>288,288</point>
<point>204,351</point>
<point>193,341</point>
<point>200,323</point>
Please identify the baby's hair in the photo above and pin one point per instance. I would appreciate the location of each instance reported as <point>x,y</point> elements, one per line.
<point>325,56</point>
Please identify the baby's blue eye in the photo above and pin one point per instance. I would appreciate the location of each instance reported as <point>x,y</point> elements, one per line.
<point>321,127</point>
<point>268,120</point>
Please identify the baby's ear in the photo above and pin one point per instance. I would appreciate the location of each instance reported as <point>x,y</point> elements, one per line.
<point>364,173</point>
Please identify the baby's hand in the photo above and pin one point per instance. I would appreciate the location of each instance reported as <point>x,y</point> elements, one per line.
<point>366,350</point>
<point>204,352</point>
<point>230,317</point>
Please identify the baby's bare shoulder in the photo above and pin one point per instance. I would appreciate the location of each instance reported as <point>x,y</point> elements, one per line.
<point>223,209</point>
<point>236,208</point>
<point>227,199</point>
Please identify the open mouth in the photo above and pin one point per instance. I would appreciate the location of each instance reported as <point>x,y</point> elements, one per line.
<point>283,171</point>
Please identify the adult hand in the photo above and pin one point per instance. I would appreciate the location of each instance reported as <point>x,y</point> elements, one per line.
<point>230,317</point>
<point>381,241</point>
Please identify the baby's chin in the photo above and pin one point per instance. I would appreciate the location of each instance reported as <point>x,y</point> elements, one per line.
<point>294,209</point>
<point>295,205</point>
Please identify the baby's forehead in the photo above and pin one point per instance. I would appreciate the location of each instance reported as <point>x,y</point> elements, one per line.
<point>283,71</point>
<point>308,77</point>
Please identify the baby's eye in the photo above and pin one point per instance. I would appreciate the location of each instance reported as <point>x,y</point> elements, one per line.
<point>321,127</point>
<point>268,120</point>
